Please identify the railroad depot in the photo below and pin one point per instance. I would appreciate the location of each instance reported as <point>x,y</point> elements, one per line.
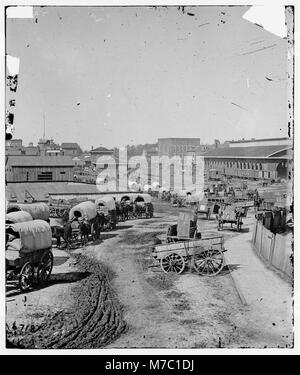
<point>270,162</point>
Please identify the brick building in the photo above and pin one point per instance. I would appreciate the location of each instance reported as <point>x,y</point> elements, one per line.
<point>178,146</point>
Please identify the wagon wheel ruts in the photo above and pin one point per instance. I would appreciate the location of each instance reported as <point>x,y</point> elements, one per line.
<point>172,263</point>
<point>209,262</point>
<point>26,277</point>
<point>45,267</point>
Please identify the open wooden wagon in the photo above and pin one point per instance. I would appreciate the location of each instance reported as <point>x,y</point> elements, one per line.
<point>28,254</point>
<point>205,255</point>
<point>230,215</point>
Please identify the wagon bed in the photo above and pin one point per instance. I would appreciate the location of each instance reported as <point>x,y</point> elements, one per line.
<point>205,255</point>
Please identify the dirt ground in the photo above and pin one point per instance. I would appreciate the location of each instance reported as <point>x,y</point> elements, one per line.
<point>109,295</point>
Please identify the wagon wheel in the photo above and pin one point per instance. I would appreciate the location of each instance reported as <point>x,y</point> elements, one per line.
<point>45,267</point>
<point>26,277</point>
<point>209,262</point>
<point>172,263</point>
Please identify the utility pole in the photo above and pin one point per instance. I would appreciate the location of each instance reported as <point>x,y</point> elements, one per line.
<point>44,134</point>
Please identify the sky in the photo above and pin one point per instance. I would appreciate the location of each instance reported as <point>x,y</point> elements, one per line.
<point>111,76</point>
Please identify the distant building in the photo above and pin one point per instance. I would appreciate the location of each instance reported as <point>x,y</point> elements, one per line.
<point>150,150</point>
<point>45,145</point>
<point>253,162</point>
<point>178,146</point>
<point>100,151</point>
<point>31,150</point>
<point>71,149</point>
<point>39,168</point>
<point>14,147</point>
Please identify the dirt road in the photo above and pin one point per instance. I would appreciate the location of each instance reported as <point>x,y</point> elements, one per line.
<point>106,295</point>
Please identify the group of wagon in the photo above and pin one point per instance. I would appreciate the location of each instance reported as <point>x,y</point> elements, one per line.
<point>134,206</point>
<point>87,219</point>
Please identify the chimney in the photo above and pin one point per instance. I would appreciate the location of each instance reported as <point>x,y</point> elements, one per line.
<point>92,147</point>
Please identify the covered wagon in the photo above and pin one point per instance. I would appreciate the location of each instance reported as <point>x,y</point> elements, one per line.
<point>143,206</point>
<point>38,211</point>
<point>84,209</point>
<point>82,222</point>
<point>125,206</point>
<point>28,253</point>
<point>17,217</point>
<point>106,206</point>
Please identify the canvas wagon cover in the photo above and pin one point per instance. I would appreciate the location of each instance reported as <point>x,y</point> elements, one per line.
<point>145,197</point>
<point>18,217</point>
<point>108,202</point>
<point>34,235</point>
<point>38,211</point>
<point>87,208</point>
<point>130,197</point>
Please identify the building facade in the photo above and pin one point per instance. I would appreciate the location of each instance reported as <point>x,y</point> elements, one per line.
<point>178,146</point>
<point>98,152</point>
<point>70,149</point>
<point>253,162</point>
<point>39,168</point>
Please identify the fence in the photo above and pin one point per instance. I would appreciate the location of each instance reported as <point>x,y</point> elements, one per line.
<point>275,249</point>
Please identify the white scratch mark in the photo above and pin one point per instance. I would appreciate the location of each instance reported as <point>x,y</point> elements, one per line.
<point>19,12</point>
<point>13,64</point>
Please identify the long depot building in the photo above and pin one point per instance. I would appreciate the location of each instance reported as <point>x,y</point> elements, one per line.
<point>39,168</point>
<point>255,159</point>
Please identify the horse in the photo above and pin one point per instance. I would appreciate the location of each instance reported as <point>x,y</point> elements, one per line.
<point>85,230</point>
<point>97,224</point>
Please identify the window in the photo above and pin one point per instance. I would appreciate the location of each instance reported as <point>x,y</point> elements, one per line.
<point>63,172</point>
<point>45,176</point>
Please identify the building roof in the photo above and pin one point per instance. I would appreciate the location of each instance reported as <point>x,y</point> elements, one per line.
<point>101,149</point>
<point>178,138</point>
<point>246,152</point>
<point>40,190</point>
<point>40,161</point>
<point>70,145</point>
<point>260,140</point>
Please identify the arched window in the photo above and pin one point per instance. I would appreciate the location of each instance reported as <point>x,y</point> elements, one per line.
<point>260,166</point>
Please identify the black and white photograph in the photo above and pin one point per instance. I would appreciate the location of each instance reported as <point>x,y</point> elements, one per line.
<point>149,176</point>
